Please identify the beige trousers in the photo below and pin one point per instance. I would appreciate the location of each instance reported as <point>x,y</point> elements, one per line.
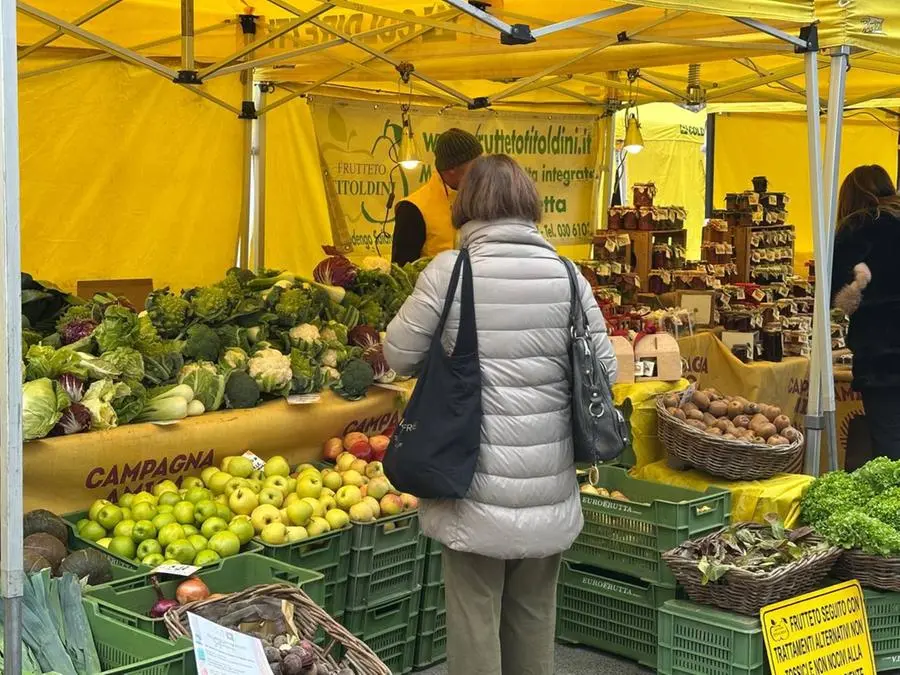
<point>501,614</point>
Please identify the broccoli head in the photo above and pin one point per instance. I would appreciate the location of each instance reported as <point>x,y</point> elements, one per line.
<point>356,377</point>
<point>833,492</point>
<point>168,312</point>
<point>241,390</point>
<point>202,343</point>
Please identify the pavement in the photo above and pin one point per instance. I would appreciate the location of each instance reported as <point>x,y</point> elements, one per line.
<point>576,661</point>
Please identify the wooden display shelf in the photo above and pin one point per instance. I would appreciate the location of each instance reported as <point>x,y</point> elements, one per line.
<point>741,237</point>
<point>640,250</point>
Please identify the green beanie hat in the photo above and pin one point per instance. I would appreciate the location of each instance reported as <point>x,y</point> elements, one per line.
<point>455,147</point>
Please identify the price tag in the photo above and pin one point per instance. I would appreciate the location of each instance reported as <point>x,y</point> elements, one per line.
<point>616,268</point>
<point>623,240</point>
<point>303,399</point>
<point>222,651</point>
<point>176,569</point>
<point>166,423</point>
<point>610,245</point>
<point>258,464</point>
<point>759,295</point>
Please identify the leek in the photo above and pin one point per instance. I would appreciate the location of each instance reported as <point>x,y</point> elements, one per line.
<point>78,639</point>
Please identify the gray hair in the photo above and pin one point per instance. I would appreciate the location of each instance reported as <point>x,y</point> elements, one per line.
<point>496,188</point>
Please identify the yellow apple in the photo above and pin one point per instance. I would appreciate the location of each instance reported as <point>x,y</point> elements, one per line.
<point>374,505</point>
<point>337,519</point>
<point>344,460</point>
<point>218,482</point>
<point>359,465</point>
<point>347,496</point>
<point>378,487</point>
<point>309,486</point>
<point>352,477</point>
<point>316,506</point>
<point>243,501</point>
<point>317,526</point>
<point>361,513</point>
<point>410,503</point>
<point>274,533</point>
<point>374,469</point>
<point>327,503</point>
<point>277,466</point>
<point>391,505</point>
<point>331,479</point>
<point>299,512</point>
<point>240,467</point>
<point>263,515</point>
<point>290,499</point>
<point>296,533</point>
<point>208,473</point>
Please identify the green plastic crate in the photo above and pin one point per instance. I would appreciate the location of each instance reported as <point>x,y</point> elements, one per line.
<point>434,570</point>
<point>126,651</point>
<point>699,640</point>
<point>122,568</point>
<point>328,554</point>
<point>431,647</point>
<point>628,537</point>
<point>128,601</point>
<point>883,612</point>
<point>387,560</point>
<point>609,612</point>
<point>389,629</point>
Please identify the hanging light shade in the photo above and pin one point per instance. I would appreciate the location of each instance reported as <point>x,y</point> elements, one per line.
<point>634,140</point>
<point>409,151</point>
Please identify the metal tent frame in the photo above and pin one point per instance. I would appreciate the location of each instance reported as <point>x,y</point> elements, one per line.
<point>245,61</point>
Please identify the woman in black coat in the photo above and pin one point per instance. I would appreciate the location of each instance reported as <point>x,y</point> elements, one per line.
<point>868,236</point>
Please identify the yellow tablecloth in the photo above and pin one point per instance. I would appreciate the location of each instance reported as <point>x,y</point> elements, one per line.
<point>68,472</point>
<point>638,404</point>
<point>750,500</point>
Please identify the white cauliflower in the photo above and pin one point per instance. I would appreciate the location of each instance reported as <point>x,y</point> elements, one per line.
<point>272,371</point>
<point>304,333</point>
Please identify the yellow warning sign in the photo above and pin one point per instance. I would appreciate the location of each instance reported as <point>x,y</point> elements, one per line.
<point>825,632</point>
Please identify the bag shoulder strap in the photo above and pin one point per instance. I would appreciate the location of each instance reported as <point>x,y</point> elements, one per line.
<point>467,334</point>
<point>577,320</point>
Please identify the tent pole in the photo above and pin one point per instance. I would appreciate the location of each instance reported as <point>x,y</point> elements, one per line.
<point>834,129</point>
<point>12,575</point>
<point>820,374</point>
<point>607,167</point>
<point>55,35</point>
<point>260,262</point>
<point>248,114</point>
<point>187,35</point>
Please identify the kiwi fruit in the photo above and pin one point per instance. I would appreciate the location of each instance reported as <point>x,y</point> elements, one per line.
<point>695,415</point>
<point>710,419</point>
<point>767,430</point>
<point>742,421</point>
<point>679,413</point>
<point>697,424</point>
<point>782,422</point>
<point>718,408</point>
<point>671,401</point>
<point>714,431</point>
<point>724,425</point>
<point>46,546</point>
<point>752,409</point>
<point>790,433</point>
<point>735,408</point>
<point>701,400</point>
<point>775,439</point>
<point>690,405</point>
<point>713,394</point>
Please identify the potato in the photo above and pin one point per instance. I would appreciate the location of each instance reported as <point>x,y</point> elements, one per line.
<point>718,408</point>
<point>751,409</point>
<point>790,433</point>
<point>766,430</point>
<point>757,421</point>
<point>724,425</point>
<point>714,431</point>
<point>735,408</point>
<point>742,421</point>
<point>701,400</point>
<point>710,419</point>
<point>773,412</point>
<point>730,437</point>
<point>777,440</point>
<point>695,415</point>
<point>679,413</point>
<point>615,494</point>
<point>782,422</point>
<point>602,492</point>
<point>713,394</point>
<point>671,410</point>
<point>690,405</point>
<point>671,401</point>
<point>697,424</point>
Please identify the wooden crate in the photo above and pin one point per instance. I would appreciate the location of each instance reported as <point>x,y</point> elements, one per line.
<point>640,250</point>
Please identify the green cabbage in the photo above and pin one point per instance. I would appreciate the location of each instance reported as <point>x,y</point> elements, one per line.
<point>99,400</point>
<point>206,382</point>
<point>43,402</point>
<point>41,361</point>
<point>120,328</point>
<point>128,361</point>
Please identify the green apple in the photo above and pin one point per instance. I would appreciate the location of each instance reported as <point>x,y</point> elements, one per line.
<point>263,515</point>
<point>337,519</point>
<point>223,512</point>
<point>240,467</point>
<point>198,541</point>
<point>327,503</point>
<point>242,528</point>
<point>277,466</point>
<point>192,482</point>
<point>126,513</point>
<point>352,477</point>
<point>373,505</point>
<point>309,486</point>
<point>299,512</point>
<point>317,526</point>
<point>205,509</point>
<point>168,498</point>
<point>81,523</point>
<point>222,499</point>
<point>378,487</point>
<point>160,520</point>
<point>95,508</point>
<point>226,462</point>
<point>170,533</point>
<point>168,508</point>
<point>148,547</point>
<point>332,479</point>
<point>258,474</point>
<point>274,534</point>
<point>208,473</point>
<point>212,525</point>
<point>153,560</point>
<point>242,501</point>
<point>279,482</point>
<point>374,469</point>
<point>269,495</point>
<point>225,543</point>
<point>181,550</point>
<point>347,496</point>
<point>164,486</point>
<point>218,481</point>
<point>317,509</point>
<point>143,496</point>
<point>290,499</point>
<point>291,486</point>
<point>184,512</point>
<point>206,557</point>
<point>122,546</point>
<point>143,511</point>
<point>197,494</point>
<point>255,484</point>
<point>126,500</point>
<point>296,533</point>
<point>104,542</point>
<point>142,531</point>
<point>190,529</point>
<point>235,483</point>
<point>124,528</point>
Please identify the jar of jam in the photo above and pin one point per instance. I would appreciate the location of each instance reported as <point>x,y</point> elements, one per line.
<point>772,342</point>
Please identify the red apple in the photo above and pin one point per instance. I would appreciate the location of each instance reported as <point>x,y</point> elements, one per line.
<point>361,450</point>
<point>332,448</point>
<point>379,446</point>
<point>354,437</point>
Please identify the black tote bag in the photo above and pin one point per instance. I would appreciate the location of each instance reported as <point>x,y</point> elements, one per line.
<point>434,449</point>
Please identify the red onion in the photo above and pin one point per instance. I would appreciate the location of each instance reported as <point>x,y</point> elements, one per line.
<point>162,605</point>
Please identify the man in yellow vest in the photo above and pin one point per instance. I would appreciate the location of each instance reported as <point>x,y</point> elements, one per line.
<point>422,226</point>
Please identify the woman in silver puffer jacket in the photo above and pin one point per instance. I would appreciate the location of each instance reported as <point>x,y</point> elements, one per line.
<point>503,542</point>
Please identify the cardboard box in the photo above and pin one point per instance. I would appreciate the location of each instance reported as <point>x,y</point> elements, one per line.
<point>624,358</point>
<point>133,290</point>
<point>740,339</point>
<point>701,305</point>
<point>657,357</point>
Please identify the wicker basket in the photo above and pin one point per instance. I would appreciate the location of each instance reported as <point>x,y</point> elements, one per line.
<point>723,457</point>
<point>872,571</point>
<point>747,592</point>
<point>309,619</point>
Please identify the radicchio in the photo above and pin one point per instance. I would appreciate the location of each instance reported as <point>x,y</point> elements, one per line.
<point>77,330</point>
<point>364,337</point>
<point>335,270</point>
<point>75,419</point>
<point>73,385</point>
<point>374,356</point>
